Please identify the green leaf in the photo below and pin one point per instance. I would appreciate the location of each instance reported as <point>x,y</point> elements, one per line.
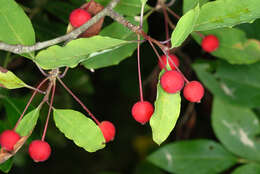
<point>195,156</point>
<point>16,27</point>
<point>82,130</point>
<point>250,168</point>
<point>9,80</point>
<point>236,84</point>
<point>251,30</point>
<point>14,108</point>
<point>237,128</point>
<point>28,122</point>
<point>184,27</point>
<point>116,55</point>
<point>166,113</point>
<point>227,13</point>
<point>126,7</point>
<point>6,166</point>
<point>190,4</point>
<point>143,1</point>
<point>234,46</point>
<point>75,51</point>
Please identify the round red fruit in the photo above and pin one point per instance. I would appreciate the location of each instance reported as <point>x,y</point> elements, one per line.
<point>172,59</point>
<point>79,17</point>
<point>39,150</point>
<point>172,81</point>
<point>210,43</point>
<point>193,91</point>
<point>108,130</point>
<point>8,139</point>
<point>142,111</point>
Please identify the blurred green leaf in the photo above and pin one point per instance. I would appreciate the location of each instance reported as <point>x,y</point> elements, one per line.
<point>75,51</point>
<point>250,168</point>
<point>28,122</point>
<point>234,46</point>
<point>195,156</point>
<point>77,127</point>
<point>251,30</point>
<point>6,166</point>
<point>166,114</point>
<point>60,9</point>
<point>237,84</point>
<point>115,56</point>
<point>185,26</point>
<point>147,168</point>
<point>236,127</point>
<point>126,7</point>
<point>9,80</point>
<point>13,108</point>
<point>190,4</point>
<point>16,27</point>
<point>227,13</point>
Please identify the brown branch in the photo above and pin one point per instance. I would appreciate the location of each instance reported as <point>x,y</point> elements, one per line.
<point>120,19</point>
<point>19,49</point>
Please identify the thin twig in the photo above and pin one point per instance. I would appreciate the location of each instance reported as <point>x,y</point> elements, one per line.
<point>29,102</point>
<point>19,49</point>
<point>79,101</point>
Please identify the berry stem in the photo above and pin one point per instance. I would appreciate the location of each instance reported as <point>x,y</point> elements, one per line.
<point>78,100</point>
<point>166,19</point>
<point>158,56</point>
<point>49,111</point>
<point>29,102</point>
<point>139,70</point>
<point>185,79</point>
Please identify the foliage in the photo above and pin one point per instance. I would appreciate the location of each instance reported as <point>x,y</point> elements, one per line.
<point>229,74</point>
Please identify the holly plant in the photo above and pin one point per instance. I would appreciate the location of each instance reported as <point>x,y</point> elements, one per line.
<point>58,38</point>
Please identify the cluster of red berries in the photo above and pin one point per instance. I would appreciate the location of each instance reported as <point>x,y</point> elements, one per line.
<point>38,150</point>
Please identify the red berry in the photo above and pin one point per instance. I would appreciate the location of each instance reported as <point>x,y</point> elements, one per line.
<point>142,111</point>
<point>172,58</point>
<point>39,150</point>
<point>172,81</point>
<point>8,139</point>
<point>210,43</point>
<point>108,130</point>
<point>193,91</point>
<point>79,17</point>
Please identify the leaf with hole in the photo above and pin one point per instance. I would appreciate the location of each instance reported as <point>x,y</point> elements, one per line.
<point>77,127</point>
<point>195,156</point>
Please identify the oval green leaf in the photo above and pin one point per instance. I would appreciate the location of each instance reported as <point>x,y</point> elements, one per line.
<point>28,123</point>
<point>166,114</point>
<point>77,127</point>
<point>195,156</point>
<point>250,168</point>
<point>185,26</point>
<point>6,166</point>
<point>9,80</point>
<point>227,13</point>
<point>16,27</point>
<point>75,51</point>
<point>237,128</point>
